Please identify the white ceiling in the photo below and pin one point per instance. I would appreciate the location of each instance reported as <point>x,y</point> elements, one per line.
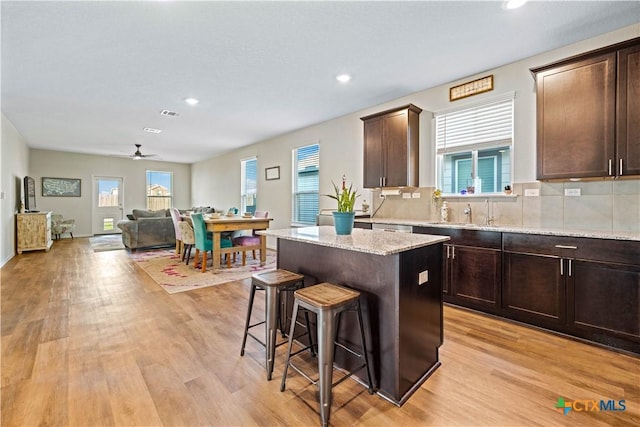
<point>87,77</point>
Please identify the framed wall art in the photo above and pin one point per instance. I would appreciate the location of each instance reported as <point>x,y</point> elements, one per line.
<point>484,84</point>
<point>272,173</point>
<point>61,187</point>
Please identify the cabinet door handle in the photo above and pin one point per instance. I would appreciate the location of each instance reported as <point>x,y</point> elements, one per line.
<point>453,252</point>
<point>561,267</point>
<point>448,248</point>
<point>569,268</point>
<point>620,170</point>
<point>566,247</point>
<point>610,167</point>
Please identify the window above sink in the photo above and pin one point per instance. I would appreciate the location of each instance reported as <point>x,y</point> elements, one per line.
<point>474,147</point>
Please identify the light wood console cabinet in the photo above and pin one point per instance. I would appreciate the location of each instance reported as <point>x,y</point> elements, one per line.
<point>34,231</point>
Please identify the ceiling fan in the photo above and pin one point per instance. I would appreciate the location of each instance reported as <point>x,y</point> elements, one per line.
<point>138,155</point>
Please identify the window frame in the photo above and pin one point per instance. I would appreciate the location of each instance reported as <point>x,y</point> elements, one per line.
<point>243,185</point>
<point>500,140</point>
<point>295,218</point>
<point>149,183</point>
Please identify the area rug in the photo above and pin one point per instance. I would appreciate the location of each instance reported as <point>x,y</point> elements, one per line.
<point>168,270</point>
<point>107,242</point>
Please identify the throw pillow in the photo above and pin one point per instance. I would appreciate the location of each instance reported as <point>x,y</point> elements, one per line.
<point>139,213</point>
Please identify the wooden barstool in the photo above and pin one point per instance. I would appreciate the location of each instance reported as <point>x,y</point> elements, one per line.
<point>327,301</point>
<point>273,282</point>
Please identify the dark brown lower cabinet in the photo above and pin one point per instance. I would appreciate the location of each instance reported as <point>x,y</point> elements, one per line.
<point>588,288</point>
<point>605,300</point>
<point>584,287</point>
<point>534,288</point>
<point>472,264</point>
<point>473,275</point>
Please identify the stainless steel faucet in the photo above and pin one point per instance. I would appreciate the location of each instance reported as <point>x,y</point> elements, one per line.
<point>488,218</point>
<point>467,213</point>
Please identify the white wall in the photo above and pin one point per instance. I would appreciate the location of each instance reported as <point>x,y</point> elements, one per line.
<point>14,157</point>
<point>58,164</point>
<point>341,139</point>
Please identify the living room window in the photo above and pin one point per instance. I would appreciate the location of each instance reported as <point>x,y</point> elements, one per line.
<point>474,147</point>
<point>159,190</point>
<point>306,184</point>
<point>249,184</point>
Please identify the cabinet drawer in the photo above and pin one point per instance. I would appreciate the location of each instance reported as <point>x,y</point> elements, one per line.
<point>543,245</point>
<point>615,251</point>
<point>464,237</point>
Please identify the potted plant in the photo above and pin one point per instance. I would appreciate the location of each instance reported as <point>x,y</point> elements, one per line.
<point>346,198</point>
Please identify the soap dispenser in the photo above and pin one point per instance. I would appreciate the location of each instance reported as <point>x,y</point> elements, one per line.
<point>444,212</point>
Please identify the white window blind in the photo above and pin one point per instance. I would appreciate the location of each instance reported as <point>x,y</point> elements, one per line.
<point>474,146</point>
<point>249,183</point>
<point>480,127</point>
<point>306,184</point>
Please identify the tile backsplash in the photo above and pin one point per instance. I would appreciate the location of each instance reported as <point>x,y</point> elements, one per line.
<point>607,205</point>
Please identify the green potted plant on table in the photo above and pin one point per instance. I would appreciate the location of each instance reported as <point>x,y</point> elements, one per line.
<point>346,198</point>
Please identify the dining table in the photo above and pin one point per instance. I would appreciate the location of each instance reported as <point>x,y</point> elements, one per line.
<point>235,223</point>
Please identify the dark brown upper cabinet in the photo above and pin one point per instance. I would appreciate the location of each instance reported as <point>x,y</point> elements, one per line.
<point>391,140</point>
<point>588,114</point>
<point>628,111</point>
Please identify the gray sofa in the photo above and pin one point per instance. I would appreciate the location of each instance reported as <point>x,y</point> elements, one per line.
<point>147,229</point>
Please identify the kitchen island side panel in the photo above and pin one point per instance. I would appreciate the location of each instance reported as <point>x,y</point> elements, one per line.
<point>392,299</point>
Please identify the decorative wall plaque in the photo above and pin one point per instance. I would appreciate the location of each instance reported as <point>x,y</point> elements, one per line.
<point>484,84</point>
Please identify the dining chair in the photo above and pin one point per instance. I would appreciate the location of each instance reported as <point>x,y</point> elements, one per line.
<point>188,239</point>
<point>177,219</point>
<point>203,243</point>
<point>252,239</point>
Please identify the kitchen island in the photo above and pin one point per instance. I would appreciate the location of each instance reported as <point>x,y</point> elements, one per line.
<point>400,278</point>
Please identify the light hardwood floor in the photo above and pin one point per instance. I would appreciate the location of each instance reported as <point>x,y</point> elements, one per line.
<point>88,339</point>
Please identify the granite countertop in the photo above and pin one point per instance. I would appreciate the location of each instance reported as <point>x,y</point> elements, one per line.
<point>620,235</point>
<point>375,242</point>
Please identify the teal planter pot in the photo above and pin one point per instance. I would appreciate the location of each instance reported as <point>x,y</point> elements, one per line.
<point>343,222</point>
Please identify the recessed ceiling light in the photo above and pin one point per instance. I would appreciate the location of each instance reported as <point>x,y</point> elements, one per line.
<point>513,4</point>
<point>191,101</point>
<point>152,130</point>
<point>343,78</point>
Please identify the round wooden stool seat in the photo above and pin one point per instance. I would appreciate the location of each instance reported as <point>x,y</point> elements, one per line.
<point>277,278</point>
<point>326,296</point>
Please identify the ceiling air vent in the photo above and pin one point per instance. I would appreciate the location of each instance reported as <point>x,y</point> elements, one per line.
<point>168,113</point>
